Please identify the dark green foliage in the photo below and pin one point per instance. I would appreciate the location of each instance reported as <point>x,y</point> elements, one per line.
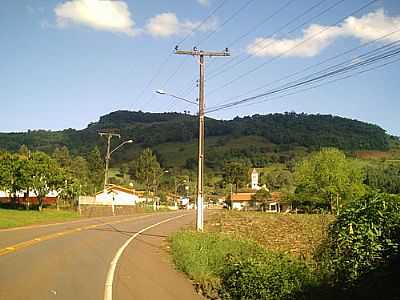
<point>96,170</point>
<point>288,131</point>
<point>364,238</point>
<point>269,276</point>
<point>236,173</point>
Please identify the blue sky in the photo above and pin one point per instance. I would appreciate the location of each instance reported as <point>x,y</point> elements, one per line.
<point>65,63</point>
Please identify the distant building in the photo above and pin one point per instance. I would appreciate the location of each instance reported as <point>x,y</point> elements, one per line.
<point>254,180</point>
<point>118,195</point>
<point>241,201</point>
<point>30,198</point>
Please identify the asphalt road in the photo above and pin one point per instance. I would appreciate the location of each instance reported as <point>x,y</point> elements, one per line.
<point>84,260</point>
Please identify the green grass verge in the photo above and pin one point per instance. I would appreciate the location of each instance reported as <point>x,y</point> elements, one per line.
<point>223,266</point>
<point>15,218</point>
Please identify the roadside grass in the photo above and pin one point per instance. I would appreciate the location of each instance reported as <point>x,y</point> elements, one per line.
<point>254,255</point>
<point>10,218</point>
<point>232,268</point>
<point>297,235</point>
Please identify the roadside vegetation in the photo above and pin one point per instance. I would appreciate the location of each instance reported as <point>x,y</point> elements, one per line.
<point>16,218</point>
<point>356,256</point>
<point>345,244</point>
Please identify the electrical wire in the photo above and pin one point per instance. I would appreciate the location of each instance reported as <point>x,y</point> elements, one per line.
<point>292,48</point>
<point>298,17</point>
<point>366,59</point>
<point>317,86</point>
<point>167,59</point>
<point>365,44</point>
<point>234,58</point>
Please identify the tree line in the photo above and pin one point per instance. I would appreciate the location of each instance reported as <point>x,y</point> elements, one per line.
<point>325,180</point>
<point>35,171</point>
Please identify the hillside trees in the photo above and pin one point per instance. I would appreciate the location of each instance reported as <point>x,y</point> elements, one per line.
<point>328,178</point>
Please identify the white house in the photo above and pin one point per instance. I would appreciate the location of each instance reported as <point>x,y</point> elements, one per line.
<point>117,195</point>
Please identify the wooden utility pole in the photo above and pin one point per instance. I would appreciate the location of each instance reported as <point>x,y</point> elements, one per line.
<point>109,136</point>
<point>200,176</point>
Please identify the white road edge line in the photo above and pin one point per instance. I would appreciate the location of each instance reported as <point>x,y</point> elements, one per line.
<point>113,264</point>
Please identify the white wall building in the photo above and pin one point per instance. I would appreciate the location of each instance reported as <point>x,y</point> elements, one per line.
<point>116,195</point>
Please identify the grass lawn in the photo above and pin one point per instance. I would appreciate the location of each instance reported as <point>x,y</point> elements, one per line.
<point>15,218</point>
<point>293,234</point>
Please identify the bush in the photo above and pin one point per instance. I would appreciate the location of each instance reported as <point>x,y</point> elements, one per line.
<point>238,269</point>
<point>270,276</point>
<point>364,237</point>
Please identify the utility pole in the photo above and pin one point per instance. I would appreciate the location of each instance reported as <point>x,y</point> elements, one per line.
<point>200,176</point>
<point>109,136</point>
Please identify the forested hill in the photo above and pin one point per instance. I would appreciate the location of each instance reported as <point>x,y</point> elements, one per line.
<point>288,130</point>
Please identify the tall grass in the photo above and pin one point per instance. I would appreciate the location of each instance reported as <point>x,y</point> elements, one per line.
<point>223,266</point>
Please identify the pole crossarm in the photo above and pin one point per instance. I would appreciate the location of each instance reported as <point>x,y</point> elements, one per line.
<point>203,53</point>
<point>200,178</point>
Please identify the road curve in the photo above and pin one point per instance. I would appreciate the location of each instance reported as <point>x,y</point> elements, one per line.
<point>73,260</point>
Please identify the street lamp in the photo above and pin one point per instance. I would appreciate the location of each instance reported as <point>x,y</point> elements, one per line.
<point>200,168</point>
<point>108,155</point>
<point>162,92</point>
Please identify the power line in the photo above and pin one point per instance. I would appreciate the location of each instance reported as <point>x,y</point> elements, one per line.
<point>223,2</point>
<point>292,48</point>
<point>367,59</point>
<point>307,82</point>
<point>298,17</point>
<point>316,64</point>
<point>230,18</point>
<point>166,60</point>
<point>316,86</point>
<point>275,32</point>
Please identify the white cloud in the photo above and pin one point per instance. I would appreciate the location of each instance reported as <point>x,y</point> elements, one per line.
<point>204,2</point>
<point>372,26</point>
<point>316,37</point>
<point>106,15</point>
<point>167,24</point>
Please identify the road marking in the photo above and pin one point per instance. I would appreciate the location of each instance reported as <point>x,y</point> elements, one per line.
<point>113,264</point>
<point>50,236</point>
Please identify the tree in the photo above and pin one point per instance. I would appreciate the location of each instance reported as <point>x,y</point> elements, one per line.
<point>262,196</point>
<point>96,169</point>
<point>46,176</point>
<point>236,172</point>
<point>328,177</point>
<point>148,170</point>
<point>14,173</point>
<point>62,156</point>
<point>278,179</point>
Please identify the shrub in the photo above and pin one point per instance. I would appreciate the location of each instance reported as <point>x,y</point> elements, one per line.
<point>270,276</point>
<point>364,237</point>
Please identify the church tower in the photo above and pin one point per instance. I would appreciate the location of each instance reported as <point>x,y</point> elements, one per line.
<point>254,180</point>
